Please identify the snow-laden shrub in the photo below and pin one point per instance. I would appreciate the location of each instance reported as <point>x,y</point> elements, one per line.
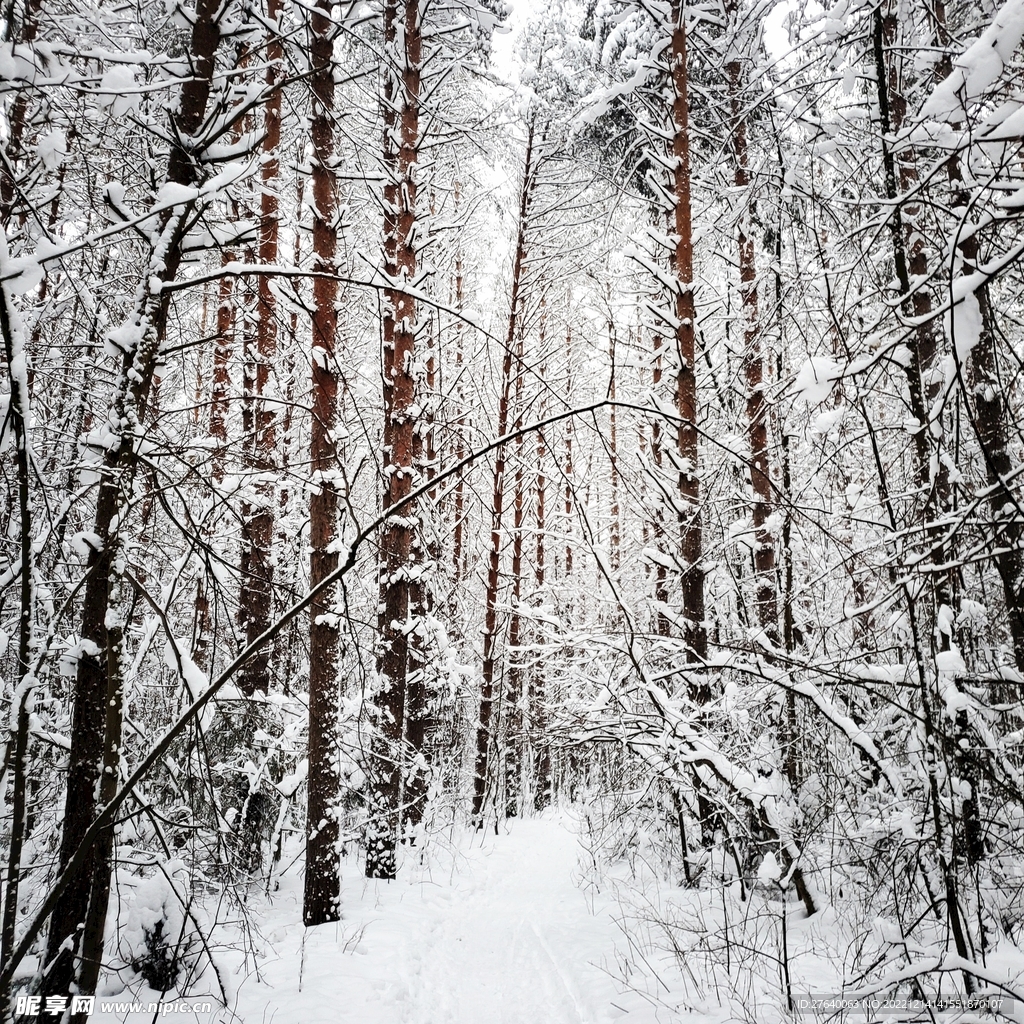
<point>159,941</point>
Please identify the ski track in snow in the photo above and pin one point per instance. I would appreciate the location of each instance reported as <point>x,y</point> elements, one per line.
<point>504,936</point>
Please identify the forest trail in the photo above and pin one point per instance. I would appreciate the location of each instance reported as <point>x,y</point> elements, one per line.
<point>497,932</point>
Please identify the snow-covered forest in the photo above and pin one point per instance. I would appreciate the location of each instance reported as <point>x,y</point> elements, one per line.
<point>511,512</point>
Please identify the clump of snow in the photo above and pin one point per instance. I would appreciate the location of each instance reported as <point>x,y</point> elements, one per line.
<point>814,382</point>
<point>290,783</point>
<point>829,420</point>
<point>75,650</point>
<point>158,939</point>
<point>23,274</point>
<point>52,148</point>
<point>973,614</point>
<point>769,869</point>
<point>963,321</point>
<point>84,543</point>
<point>951,662</point>
<point>123,339</point>
<point>979,66</point>
<point>178,660</point>
<point>173,194</point>
<point>118,91</point>
<point>944,620</point>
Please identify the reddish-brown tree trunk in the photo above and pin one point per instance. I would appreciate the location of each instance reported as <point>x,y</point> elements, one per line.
<point>321,902</point>
<point>922,342</point>
<point>400,597</point>
<point>538,694</point>
<point>483,732</point>
<point>17,118</point>
<point>661,621</point>
<point>255,599</point>
<point>458,543</point>
<point>766,591</point>
<point>221,378</point>
<point>613,453</point>
<point>287,642</point>
<point>418,708</point>
<point>76,927</point>
<point>514,657</point>
<point>568,452</point>
<point>692,582</point>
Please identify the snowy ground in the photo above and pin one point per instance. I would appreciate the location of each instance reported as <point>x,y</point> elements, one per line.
<point>523,928</point>
<point>494,930</point>
<point>504,937</point>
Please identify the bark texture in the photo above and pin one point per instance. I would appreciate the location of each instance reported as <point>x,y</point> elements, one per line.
<point>75,937</point>
<point>321,902</point>
<point>399,659</point>
<point>765,587</point>
<point>484,739</point>
<point>255,600</point>
<point>690,521</point>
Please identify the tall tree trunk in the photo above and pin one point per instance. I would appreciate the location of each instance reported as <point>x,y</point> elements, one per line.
<point>514,657</point>
<point>925,348</point>
<point>922,342</point>
<point>613,452</point>
<point>14,150</point>
<point>458,540</point>
<point>255,599</point>
<point>401,556</point>
<point>287,643</point>
<point>991,413</point>
<point>484,739</point>
<point>21,702</point>
<point>321,901</point>
<point>661,620</point>
<point>910,259</point>
<point>766,594</point>
<point>568,437</point>
<point>18,370</point>
<point>694,631</point>
<point>421,684</point>
<point>221,378</point>
<point>538,690</point>
<point>96,724</point>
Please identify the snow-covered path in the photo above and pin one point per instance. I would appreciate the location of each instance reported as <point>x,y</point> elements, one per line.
<point>504,937</point>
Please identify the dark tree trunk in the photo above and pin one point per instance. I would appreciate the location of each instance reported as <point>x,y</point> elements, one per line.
<point>922,342</point>
<point>484,739</point>
<point>17,366</point>
<point>14,150</point>
<point>256,597</point>
<point>692,583</point>
<point>221,379</point>
<point>458,539</point>
<point>76,927</point>
<point>766,594</point>
<point>568,453</point>
<point>514,657</point>
<point>661,620</point>
<point>613,452</point>
<point>15,354</point>
<point>401,592</point>
<point>538,689</point>
<point>321,902</point>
